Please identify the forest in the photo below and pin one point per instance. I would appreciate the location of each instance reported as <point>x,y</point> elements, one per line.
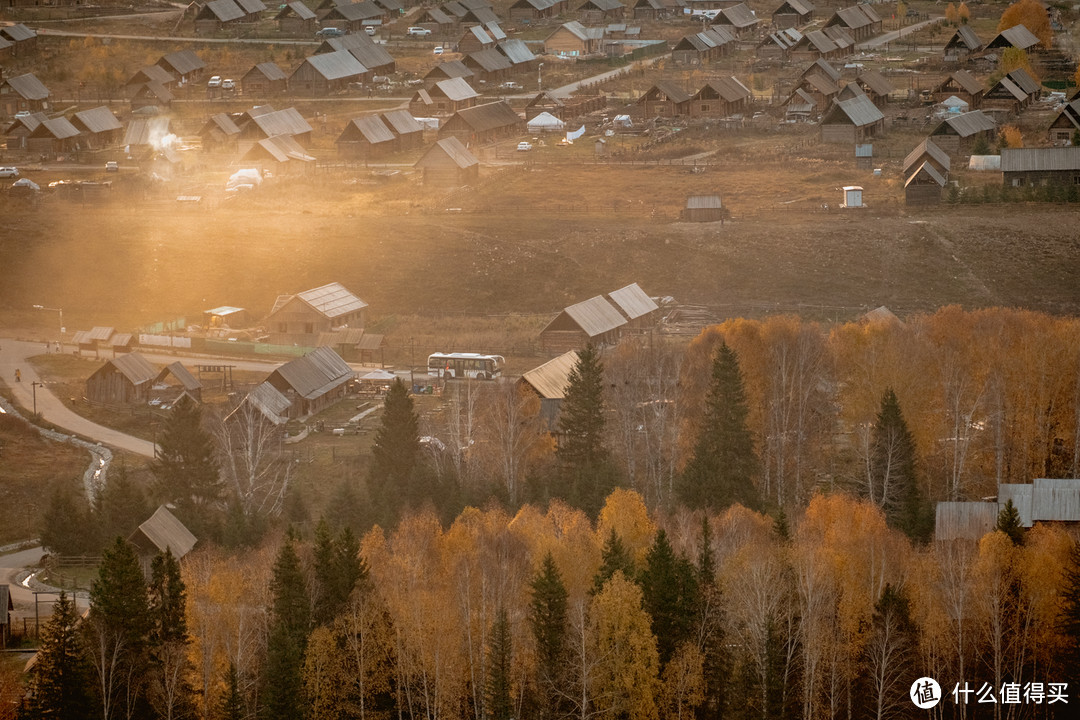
<point>739,527</point>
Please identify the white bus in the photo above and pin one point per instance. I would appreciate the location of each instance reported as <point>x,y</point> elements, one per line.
<point>465,365</point>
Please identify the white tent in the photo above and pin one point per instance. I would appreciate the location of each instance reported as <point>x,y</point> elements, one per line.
<point>377,376</point>
<point>546,122</point>
<point>955,104</point>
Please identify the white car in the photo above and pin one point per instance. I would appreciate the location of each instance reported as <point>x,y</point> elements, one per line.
<point>214,82</point>
<point>228,84</point>
<point>6,172</point>
<point>438,50</point>
<point>369,29</point>
<point>418,31</point>
<point>524,146</point>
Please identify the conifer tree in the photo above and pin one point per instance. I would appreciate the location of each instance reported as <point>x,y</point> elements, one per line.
<point>62,676</point>
<point>186,470</point>
<point>614,557</point>
<point>548,617</point>
<point>395,453</point>
<point>170,693</point>
<point>722,467</point>
<point>232,703</point>
<point>670,593</point>
<point>710,636</point>
<point>66,527</point>
<point>1008,522</point>
<point>119,505</point>
<point>893,471</point>
<point>338,569</point>
<point>290,622</point>
<point>587,474</point>
<point>499,703</point>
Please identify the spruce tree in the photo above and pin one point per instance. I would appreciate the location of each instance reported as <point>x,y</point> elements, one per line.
<point>170,693</point>
<point>1008,522</point>
<point>289,626</point>
<point>586,473</point>
<point>670,596</point>
<point>231,706</point>
<point>710,629</point>
<point>395,454</point>
<point>62,676</point>
<point>614,557</point>
<point>723,465</point>
<point>119,505</point>
<point>499,703</point>
<point>67,527</point>
<point>338,569</point>
<point>548,617</point>
<point>893,469</point>
<point>185,468</point>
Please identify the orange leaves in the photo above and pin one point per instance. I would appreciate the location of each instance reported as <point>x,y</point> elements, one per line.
<point>624,512</point>
<point>1032,15</point>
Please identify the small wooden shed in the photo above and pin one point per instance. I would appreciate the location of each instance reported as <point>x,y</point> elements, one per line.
<point>124,379</point>
<point>703,208</point>
<point>449,163</point>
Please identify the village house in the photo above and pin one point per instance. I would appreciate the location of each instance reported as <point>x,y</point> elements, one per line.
<point>184,65</point>
<point>793,14</point>
<point>406,129</point>
<point>54,137</point>
<point>518,53</point>
<point>489,66</point>
<point>963,85</point>
<point>475,38</point>
<point>351,17</point>
<point>447,97</point>
<point>264,122</point>
<point>845,43</point>
<point>281,154</point>
<point>437,21</point>
<point>252,9</point>
<point>1012,93</point>
<point>19,130</point>
<point>1018,36</point>
<point>923,185</point>
<point>151,94</point>
<point>264,404</point>
<point>1066,125</point>
<point>220,134</point>
<point>534,10</point>
<point>721,97</point>
<point>859,20</point>
<point>448,163</point>
<point>142,133</point>
<point>296,19</point>
<point>1044,500</point>
<point>1059,166</point>
<point>703,47</point>
<point>125,379</point>
<point>927,152</point>
<point>173,382</point>
<point>447,70</point>
<point>549,382</point>
<point>313,382</point>
<point>813,45</point>
<point>370,54</point>
<point>217,15</point>
<point>876,86</point>
<point>640,310</point>
<point>573,39</point>
<point>23,39</point>
<point>98,127</point>
<point>963,44</point>
<point>161,532</point>
<point>482,124</point>
<point>93,340</point>
<point>703,208</point>
<point>853,120</point>
<point>958,134</point>
<point>777,45</point>
<point>266,79</point>
<point>366,137</point>
<point>321,75</point>
<point>664,99</point>
<point>298,319</point>
<point>800,107</point>
<point>594,321</point>
<point>601,10</point>
<point>739,19</point>
<point>23,93</point>
<point>150,74</point>
<point>651,10</point>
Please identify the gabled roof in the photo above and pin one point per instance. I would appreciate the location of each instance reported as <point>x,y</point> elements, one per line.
<point>372,128</point>
<point>595,316</point>
<point>455,89</point>
<point>100,333</point>
<point>603,5</point>
<point>576,29</point>
<point>489,60</point>
<point>535,4</point>
<point>928,169</point>
<point>966,124</point>
<point>268,401</point>
<point>489,116</point>
<point>852,17</point>
<point>30,122</point>
<point>926,147</point>
<point>869,11</point>
<point>450,69</point>
<point>966,81</point>
<point>824,68</point>
<point>1040,159</point>
<point>422,96</point>
<point>296,8</point>
<point>800,101</point>
<point>183,61</point>
<point>819,41</point>
<point>482,15</point>
<point>18,33</point>
<point>144,131</point>
<point>28,87</point>
<point>315,374</point>
<point>480,34</point>
<point>438,16</point>
<point>222,122</point>
<point>156,90</point>
<point>632,301</point>
<point>163,531</point>
<point>1017,36</point>
<point>452,148</point>
<point>1009,87</point>
<point>839,36</point>
<point>1024,81</point>
<point>251,7</point>
<point>97,120</point>
<point>875,81</point>
<point>516,51</point>
<point>455,8</point>
<point>965,36</point>
<point>401,122</point>
<point>224,10</point>
<point>336,65</point>
<point>372,56</point>
<point>1070,112</point>
<point>860,110</point>
<point>332,300</point>
<point>800,7</point>
<point>355,12</point>
<point>551,379</point>
<point>740,16</point>
<point>59,128</point>
<point>785,39</point>
<point>152,73</point>
<point>281,148</point>
<point>669,90</point>
<point>134,367</point>
<point>728,88</point>
<point>497,33</point>
<point>270,71</point>
<point>280,122</point>
<point>182,375</point>
<point>821,84</point>
<point>694,202</point>
<point>712,37</point>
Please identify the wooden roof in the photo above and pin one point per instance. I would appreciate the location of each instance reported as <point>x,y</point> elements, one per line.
<point>451,148</point>
<point>551,379</point>
<point>163,531</point>
<point>315,374</point>
<point>632,300</point>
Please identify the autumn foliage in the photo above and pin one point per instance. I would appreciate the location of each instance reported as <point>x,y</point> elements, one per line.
<point>1032,15</point>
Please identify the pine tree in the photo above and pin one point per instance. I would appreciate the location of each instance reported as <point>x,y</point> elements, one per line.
<point>396,453</point>
<point>614,557</point>
<point>1008,522</point>
<point>587,475</point>
<point>670,593</point>
<point>186,470</point>
<point>548,617</point>
<point>499,703</point>
<point>232,703</point>
<point>710,629</point>
<point>62,676</point>
<point>892,468</point>
<point>290,622</point>
<point>338,569</point>
<point>1069,622</point>
<point>170,693</point>
<point>119,505</point>
<point>722,467</point>
<point>66,527</point>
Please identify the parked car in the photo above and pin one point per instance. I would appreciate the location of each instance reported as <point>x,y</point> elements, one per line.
<point>438,50</point>
<point>214,82</point>
<point>228,84</point>
<point>524,146</point>
<point>330,32</point>
<point>510,85</point>
<point>22,114</point>
<point>112,166</point>
<point>418,31</point>
<point>6,172</point>
<point>369,29</point>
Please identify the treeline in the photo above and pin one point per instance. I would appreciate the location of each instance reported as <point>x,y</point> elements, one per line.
<point>548,614</point>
